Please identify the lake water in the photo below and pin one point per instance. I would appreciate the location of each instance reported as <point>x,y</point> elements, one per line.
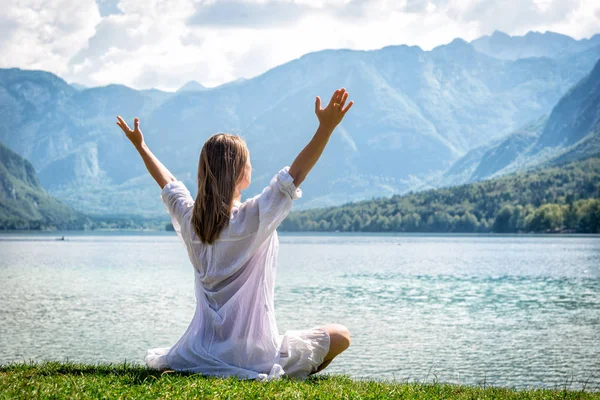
<point>501,310</point>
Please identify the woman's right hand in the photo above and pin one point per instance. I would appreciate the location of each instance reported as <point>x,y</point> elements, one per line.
<point>329,118</point>
<point>333,114</point>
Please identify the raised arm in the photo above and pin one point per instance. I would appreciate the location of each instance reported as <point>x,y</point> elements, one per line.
<point>329,117</point>
<point>159,172</point>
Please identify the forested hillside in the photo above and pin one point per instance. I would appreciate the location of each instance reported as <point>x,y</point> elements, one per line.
<point>564,198</point>
<point>24,204</point>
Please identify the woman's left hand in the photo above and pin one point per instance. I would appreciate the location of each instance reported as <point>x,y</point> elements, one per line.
<point>335,111</point>
<point>135,136</point>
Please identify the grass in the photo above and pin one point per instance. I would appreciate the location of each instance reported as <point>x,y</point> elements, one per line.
<point>127,381</point>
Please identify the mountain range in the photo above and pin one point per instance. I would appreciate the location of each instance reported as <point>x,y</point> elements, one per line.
<point>421,119</point>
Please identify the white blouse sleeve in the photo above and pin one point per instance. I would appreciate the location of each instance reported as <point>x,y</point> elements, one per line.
<point>179,202</point>
<point>262,214</point>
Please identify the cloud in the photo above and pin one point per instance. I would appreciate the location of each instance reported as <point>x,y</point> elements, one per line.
<point>516,16</point>
<point>164,44</point>
<point>416,6</point>
<point>7,28</point>
<point>44,34</point>
<point>357,10</point>
<point>114,32</point>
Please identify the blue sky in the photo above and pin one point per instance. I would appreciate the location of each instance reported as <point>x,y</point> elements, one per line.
<point>165,43</point>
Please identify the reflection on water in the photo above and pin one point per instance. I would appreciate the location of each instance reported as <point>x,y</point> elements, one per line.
<point>510,311</point>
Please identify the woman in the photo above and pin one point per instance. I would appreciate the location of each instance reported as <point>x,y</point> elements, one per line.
<point>233,247</point>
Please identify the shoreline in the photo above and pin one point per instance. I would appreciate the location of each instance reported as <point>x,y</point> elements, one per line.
<point>90,232</point>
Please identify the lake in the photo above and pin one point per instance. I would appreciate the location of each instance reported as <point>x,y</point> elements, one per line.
<point>515,311</point>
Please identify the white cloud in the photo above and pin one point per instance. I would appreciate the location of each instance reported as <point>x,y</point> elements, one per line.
<point>46,34</point>
<point>165,43</point>
<point>517,16</point>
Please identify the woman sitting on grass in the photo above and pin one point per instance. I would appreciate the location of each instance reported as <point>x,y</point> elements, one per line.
<point>233,247</point>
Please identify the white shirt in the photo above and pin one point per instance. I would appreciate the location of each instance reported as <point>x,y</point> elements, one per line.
<point>233,331</point>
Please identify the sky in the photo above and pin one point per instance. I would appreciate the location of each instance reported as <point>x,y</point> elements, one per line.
<point>165,43</point>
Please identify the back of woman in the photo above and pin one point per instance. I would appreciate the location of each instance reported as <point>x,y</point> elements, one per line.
<point>233,247</point>
<point>234,281</point>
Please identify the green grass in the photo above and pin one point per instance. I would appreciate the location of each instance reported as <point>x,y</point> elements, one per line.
<point>127,381</point>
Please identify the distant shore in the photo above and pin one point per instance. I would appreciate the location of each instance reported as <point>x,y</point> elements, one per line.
<point>60,232</point>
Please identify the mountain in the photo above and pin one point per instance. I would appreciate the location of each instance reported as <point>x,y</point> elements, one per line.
<point>571,132</point>
<point>192,86</point>
<point>69,135</point>
<point>78,86</point>
<point>550,199</point>
<point>24,204</point>
<point>416,113</point>
<point>495,158</point>
<point>533,44</point>
<point>576,115</point>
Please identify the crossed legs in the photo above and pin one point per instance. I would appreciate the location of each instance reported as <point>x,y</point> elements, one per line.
<point>340,341</point>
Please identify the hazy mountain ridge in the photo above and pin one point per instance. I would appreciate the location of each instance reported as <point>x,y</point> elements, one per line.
<point>416,113</point>
<point>571,132</point>
<point>533,44</point>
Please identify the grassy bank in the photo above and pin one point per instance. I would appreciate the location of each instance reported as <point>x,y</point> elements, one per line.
<point>79,381</point>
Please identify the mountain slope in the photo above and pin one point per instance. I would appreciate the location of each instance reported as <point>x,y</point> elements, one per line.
<point>496,158</point>
<point>571,132</point>
<point>576,114</point>
<point>60,128</point>
<point>24,204</point>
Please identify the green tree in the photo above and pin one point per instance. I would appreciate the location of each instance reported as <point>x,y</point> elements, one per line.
<point>412,222</point>
<point>589,216</point>
<point>440,221</point>
<point>504,222</point>
<point>467,223</point>
<point>547,217</point>
<point>357,223</point>
<point>396,222</point>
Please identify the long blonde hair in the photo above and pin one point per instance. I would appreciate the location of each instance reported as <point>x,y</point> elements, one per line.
<point>220,168</point>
